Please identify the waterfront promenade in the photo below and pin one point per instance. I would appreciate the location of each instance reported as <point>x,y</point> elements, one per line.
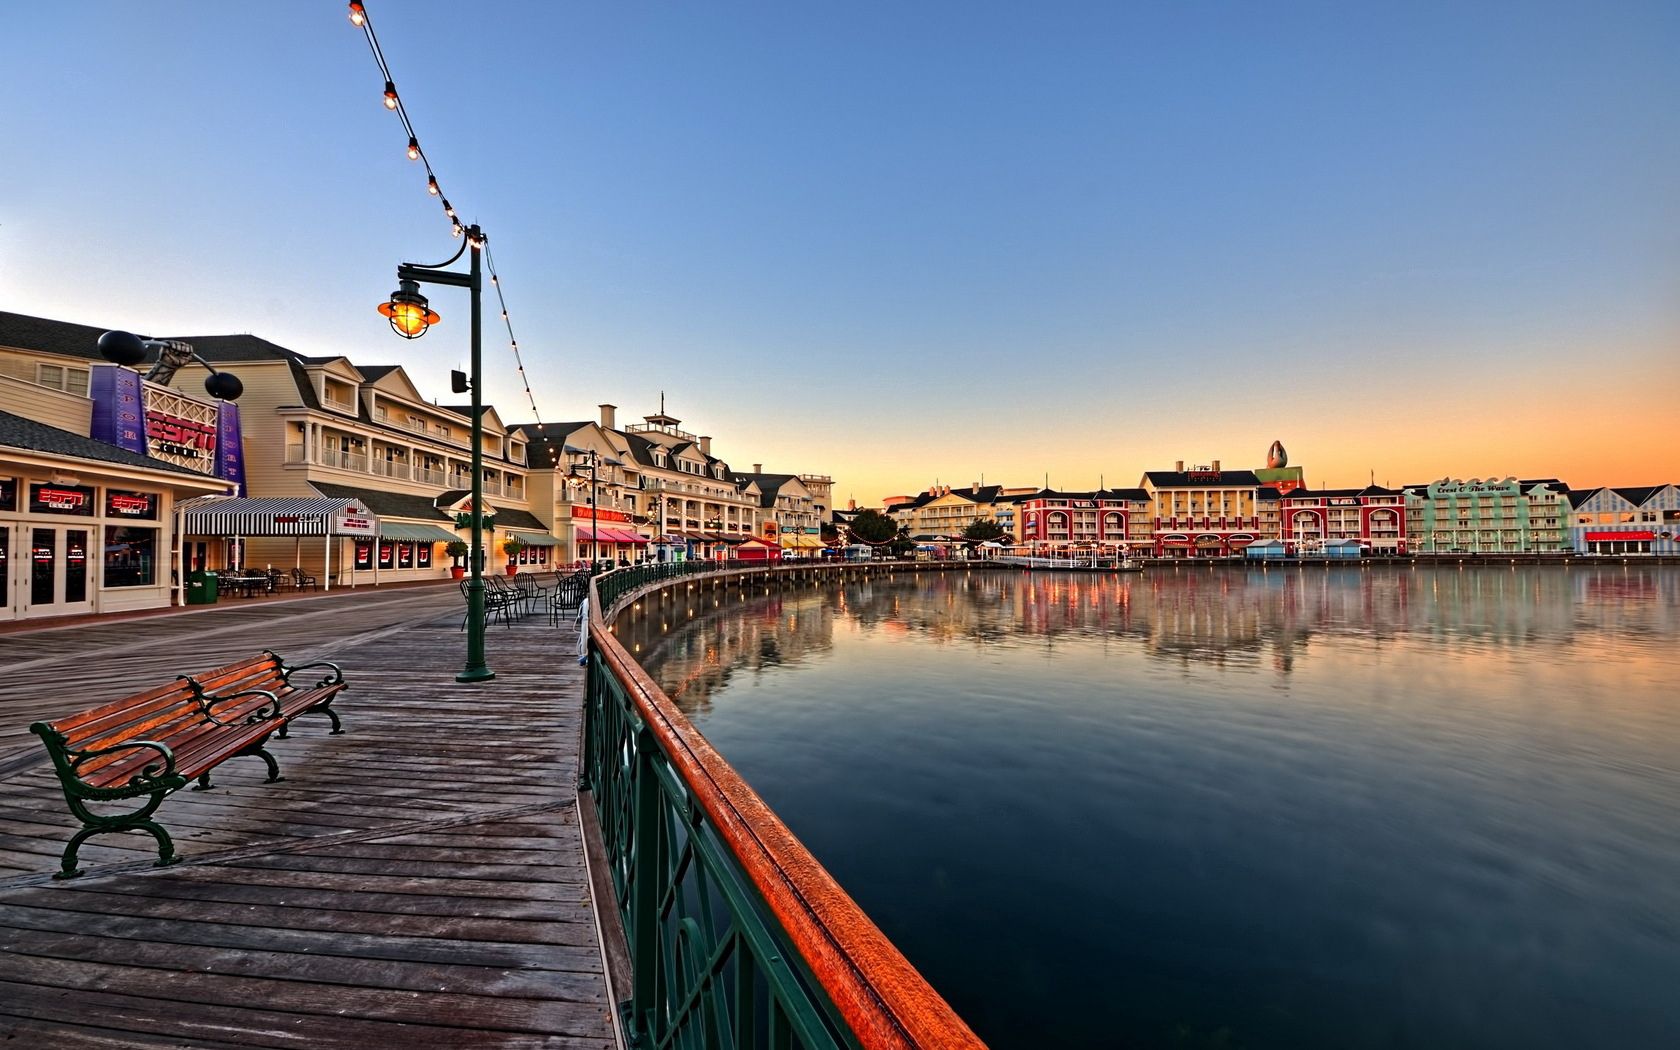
<point>418,881</point>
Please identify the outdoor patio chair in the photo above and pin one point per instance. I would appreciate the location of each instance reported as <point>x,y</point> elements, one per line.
<point>496,603</point>
<point>535,592</point>
<point>567,596</point>
<point>300,581</point>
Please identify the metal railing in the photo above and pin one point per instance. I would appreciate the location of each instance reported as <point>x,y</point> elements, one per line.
<point>738,938</point>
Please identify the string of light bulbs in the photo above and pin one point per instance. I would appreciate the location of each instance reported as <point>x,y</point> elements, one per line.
<point>393,102</point>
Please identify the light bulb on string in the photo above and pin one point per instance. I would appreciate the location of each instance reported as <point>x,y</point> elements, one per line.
<point>413,148</point>
<point>432,186</point>
<point>358,14</point>
<point>390,95</point>
<point>448,209</point>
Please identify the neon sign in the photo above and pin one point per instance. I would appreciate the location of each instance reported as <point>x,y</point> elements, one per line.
<point>179,437</point>
<point>61,499</point>
<point>130,504</point>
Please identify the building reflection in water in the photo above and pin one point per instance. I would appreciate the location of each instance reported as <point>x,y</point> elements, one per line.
<point>1225,618</point>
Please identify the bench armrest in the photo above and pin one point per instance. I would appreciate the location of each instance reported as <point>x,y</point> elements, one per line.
<point>336,677</point>
<point>266,713</point>
<point>149,772</point>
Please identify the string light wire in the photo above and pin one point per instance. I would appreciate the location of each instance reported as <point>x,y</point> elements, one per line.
<point>393,100</point>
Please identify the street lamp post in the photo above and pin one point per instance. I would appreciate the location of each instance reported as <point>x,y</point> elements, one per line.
<point>594,499</point>
<point>410,317</point>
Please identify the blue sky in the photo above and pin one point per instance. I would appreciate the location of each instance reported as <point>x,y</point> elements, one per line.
<point>900,243</point>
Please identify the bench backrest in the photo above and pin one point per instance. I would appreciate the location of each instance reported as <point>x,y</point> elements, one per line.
<point>162,712</point>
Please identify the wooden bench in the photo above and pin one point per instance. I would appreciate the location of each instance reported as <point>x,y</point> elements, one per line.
<point>152,744</point>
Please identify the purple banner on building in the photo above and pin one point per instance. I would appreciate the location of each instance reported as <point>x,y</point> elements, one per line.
<point>118,416</point>
<point>230,450</point>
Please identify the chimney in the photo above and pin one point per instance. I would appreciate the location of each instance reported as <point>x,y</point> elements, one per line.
<point>705,445</point>
<point>609,417</point>
<point>1216,466</point>
<point>758,468</point>
<point>1179,466</point>
<point>851,504</point>
<point>975,485</point>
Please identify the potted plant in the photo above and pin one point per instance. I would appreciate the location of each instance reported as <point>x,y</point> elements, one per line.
<point>511,547</point>
<point>456,549</point>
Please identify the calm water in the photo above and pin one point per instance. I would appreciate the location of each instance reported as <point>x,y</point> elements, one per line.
<point>1320,808</point>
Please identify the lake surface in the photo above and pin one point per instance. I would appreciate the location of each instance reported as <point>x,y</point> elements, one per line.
<point>1296,808</point>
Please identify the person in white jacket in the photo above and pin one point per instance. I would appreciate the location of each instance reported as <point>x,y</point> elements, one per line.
<point>583,631</point>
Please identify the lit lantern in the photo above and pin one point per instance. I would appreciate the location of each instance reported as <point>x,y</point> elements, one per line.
<point>408,311</point>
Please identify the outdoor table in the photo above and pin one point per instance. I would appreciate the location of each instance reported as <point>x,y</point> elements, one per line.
<point>248,584</point>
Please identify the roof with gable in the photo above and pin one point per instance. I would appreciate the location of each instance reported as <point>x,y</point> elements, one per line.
<point>48,336</point>
<point>1638,495</point>
<point>546,440</point>
<point>768,485</point>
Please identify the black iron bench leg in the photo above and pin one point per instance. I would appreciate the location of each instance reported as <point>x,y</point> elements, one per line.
<point>203,782</point>
<point>268,759</point>
<point>94,824</point>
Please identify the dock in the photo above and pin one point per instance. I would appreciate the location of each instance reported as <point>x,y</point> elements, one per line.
<point>417,882</point>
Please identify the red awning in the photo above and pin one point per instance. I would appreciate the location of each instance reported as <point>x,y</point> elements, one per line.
<point>1613,537</point>
<point>609,535</point>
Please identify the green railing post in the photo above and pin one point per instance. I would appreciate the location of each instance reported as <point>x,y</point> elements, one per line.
<point>591,719</point>
<point>646,864</point>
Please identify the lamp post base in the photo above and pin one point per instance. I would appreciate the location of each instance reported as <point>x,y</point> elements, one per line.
<point>475,674</point>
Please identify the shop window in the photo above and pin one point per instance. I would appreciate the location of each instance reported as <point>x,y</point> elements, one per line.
<point>364,554</point>
<point>405,555</point>
<point>8,493</point>
<point>423,556</point>
<point>62,499</point>
<point>130,556</point>
<point>141,506</point>
<point>387,556</point>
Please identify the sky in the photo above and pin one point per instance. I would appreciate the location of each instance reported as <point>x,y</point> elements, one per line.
<point>903,244</point>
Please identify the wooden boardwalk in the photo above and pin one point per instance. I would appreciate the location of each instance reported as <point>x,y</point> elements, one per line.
<point>416,882</point>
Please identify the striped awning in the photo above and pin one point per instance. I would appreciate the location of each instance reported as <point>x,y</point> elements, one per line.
<point>419,532</point>
<point>801,541</point>
<point>609,535</point>
<point>536,539</point>
<point>272,516</point>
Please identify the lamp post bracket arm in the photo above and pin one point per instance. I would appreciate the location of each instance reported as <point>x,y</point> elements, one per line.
<point>426,275</point>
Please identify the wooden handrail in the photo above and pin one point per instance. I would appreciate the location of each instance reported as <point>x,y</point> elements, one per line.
<point>883,999</point>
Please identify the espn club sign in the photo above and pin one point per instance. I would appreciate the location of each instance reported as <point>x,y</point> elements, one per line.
<point>161,422</point>
<point>182,438</point>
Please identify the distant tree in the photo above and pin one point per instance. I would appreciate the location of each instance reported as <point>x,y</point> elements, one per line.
<point>903,546</point>
<point>830,534</point>
<point>871,526</point>
<point>979,530</point>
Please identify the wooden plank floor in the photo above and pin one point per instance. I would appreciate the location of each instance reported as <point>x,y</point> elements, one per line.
<point>416,882</point>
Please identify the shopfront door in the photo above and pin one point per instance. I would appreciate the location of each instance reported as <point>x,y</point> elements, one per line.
<point>8,585</point>
<point>56,577</point>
